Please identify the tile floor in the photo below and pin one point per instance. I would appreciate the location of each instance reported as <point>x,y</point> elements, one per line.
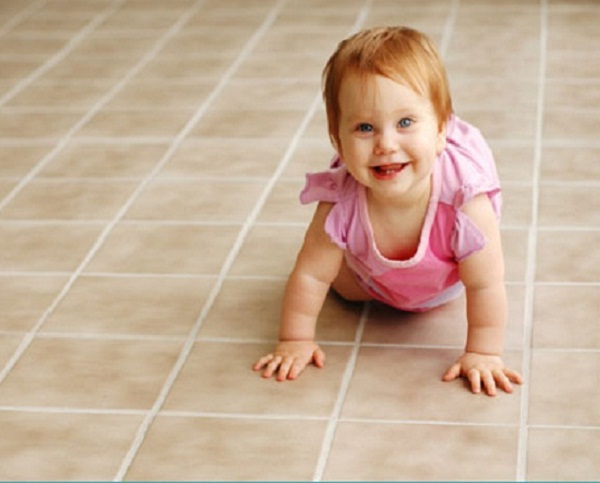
<point>151,153</point>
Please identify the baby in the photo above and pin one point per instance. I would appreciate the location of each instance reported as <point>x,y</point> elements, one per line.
<point>408,212</point>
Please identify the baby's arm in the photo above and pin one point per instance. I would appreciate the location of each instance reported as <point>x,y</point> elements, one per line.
<point>316,267</point>
<point>483,276</point>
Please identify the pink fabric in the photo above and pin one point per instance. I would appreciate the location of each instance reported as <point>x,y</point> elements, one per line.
<point>463,170</point>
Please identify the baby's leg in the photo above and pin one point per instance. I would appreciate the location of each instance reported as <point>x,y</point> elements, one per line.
<point>347,287</point>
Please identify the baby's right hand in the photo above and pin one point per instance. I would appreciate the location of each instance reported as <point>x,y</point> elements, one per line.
<point>289,359</point>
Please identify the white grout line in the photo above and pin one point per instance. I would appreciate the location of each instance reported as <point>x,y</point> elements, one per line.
<point>449,27</point>
<point>64,140</point>
<point>62,53</point>
<point>72,410</point>
<point>335,417</point>
<point>104,234</point>
<point>522,449</point>
<point>22,15</point>
<point>191,340</point>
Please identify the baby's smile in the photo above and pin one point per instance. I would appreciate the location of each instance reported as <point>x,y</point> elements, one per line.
<point>388,171</point>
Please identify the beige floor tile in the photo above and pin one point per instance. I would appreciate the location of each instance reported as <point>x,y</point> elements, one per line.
<point>570,164</point>
<point>85,67</point>
<point>15,124</point>
<point>516,124</point>
<point>130,305</point>
<point>575,94</point>
<point>184,449</point>
<point>298,15</point>
<point>569,205</point>
<point>557,455</point>
<point>280,257</point>
<point>267,95</point>
<point>54,446</point>
<point>85,373</point>
<point>232,14</point>
<point>427,20</point>
<point>514,164</point>
<point>464,65</point>
<point>223,157</point>
<point>19,160</point>
<point>102,160</point>
<point>14,68</point>
<point>48,247</point>
<point>131,123</point>
<point>514,246</point>
<point>196,200</point>
<point>13,45</point>
<point>204,65</point>
<point>310,156</point>
<point>122,44</point>
<point>6,187</point>
<point>250,308</point>
<point>565,317</point>
<point>229,40</point>
<point>317,127</point>
<point>397,452</point>
<point>8,345</point>
<point>135,19</point>
<point>568,256</point>
<point>516,204</point>
<point>472,93</point>
<point>443,326</point>
<point>290,65</point>
<point>406,384</point>
<point>60,95</point>
<point>564,388</point>
<point>580,39</point>
<point>165,249</point>
<point>173,95</point>
<point>522,43</point>
<point>25,299</point>
<point>572,65</point>
<point>285,39</point>
<point>68,200</point>
<point>257,124</point>
<point>218,378</point>
<point>571,125</point>
<point>283,205</point>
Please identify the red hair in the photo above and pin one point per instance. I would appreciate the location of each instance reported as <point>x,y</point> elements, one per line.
<point>399,53</point>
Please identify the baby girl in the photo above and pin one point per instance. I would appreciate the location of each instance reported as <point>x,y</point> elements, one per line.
<point>408,212</point>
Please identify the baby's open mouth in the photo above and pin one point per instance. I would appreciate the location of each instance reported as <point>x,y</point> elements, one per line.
<point>388,170</point>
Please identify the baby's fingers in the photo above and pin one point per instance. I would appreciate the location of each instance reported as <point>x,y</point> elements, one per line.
<point>262,362</point>
<point>474,377</point>
<point>514,376</point>
<point>452,373</point>
<point>270,363</point>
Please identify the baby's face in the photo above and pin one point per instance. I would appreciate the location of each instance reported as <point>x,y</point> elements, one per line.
<point>388,135</point>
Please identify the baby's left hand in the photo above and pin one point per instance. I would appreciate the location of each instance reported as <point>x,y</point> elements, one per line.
<point>483,370</point>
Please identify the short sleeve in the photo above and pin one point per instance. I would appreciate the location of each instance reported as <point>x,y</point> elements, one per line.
<point>332,186</point>
<point>471,166</point>
<point>469,170</point>
<point>467,238</point>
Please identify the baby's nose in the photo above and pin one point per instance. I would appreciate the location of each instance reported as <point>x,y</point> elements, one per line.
<point>387,142</point>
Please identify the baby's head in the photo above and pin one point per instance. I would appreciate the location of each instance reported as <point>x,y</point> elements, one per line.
<point>399,53</point>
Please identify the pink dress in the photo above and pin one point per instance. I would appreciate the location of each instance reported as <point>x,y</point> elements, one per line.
<point>430,278</point>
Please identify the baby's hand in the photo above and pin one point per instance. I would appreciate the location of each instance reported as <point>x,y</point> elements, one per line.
<point>483,370</point>
<point>289,359</point>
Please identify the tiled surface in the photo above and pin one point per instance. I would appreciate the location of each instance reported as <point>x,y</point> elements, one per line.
<point>151,154</point>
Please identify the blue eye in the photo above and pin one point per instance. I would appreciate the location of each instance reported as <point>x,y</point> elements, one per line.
<point>364,127</point>
<point>405,122</point>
